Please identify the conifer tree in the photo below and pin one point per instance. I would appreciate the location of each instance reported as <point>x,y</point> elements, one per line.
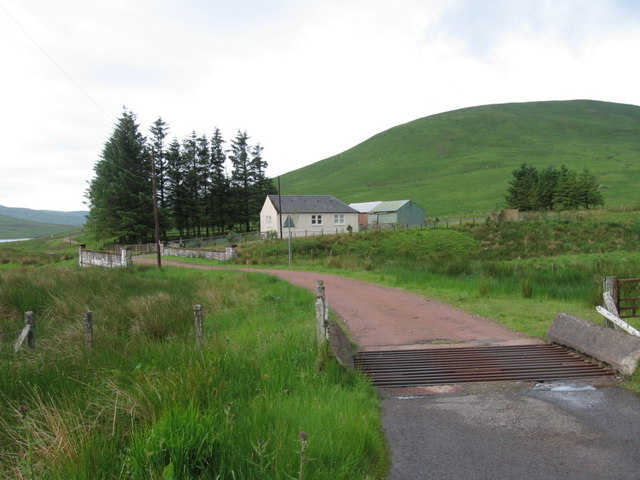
<point>193,183</point>
<point>217,200</point>
<point>177,195</point>
<point>262,185</point>
<point>566,194</point>
<point>589,193</point>
<point>159,131</point>
<point>521,193</point>
<point>203,185</point>
<point>241,180</point>
<point>545,188</point>
<point>120,200</point>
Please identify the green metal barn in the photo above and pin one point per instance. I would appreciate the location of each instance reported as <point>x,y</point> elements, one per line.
<point>385,214</point>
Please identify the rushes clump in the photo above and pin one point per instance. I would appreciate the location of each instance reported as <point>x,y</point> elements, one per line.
<point>146,402</point>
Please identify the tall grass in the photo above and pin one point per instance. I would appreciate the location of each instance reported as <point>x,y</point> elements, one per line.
<point>145,402</point>
<point>515,267</point>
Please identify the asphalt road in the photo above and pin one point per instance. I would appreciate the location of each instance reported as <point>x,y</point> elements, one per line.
<point>544,431</point>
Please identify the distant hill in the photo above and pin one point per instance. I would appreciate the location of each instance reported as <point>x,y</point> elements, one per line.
<point>461,161</point>
<point>45,216</point>
<point>17,228</point>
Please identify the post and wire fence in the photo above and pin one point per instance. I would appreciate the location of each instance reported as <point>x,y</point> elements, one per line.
<point>331,339</point>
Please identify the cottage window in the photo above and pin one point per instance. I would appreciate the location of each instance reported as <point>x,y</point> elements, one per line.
<point>267,219</point>
<point>338,219</point>
<point>316,219</point>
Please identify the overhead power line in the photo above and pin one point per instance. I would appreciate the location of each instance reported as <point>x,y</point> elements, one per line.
<point>44,52</point>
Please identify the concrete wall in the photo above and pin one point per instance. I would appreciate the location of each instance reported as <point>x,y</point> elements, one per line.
<point>104,259</point>
<point>228,253</point>
<point>618,349</point>
<point>339,345</point>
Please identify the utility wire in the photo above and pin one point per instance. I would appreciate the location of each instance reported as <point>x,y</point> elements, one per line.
<point>76,84</point>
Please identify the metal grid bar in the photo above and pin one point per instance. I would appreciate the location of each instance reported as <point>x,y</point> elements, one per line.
<point>405,368</point>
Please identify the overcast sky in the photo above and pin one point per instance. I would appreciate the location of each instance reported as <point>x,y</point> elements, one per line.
<point>306,79</point>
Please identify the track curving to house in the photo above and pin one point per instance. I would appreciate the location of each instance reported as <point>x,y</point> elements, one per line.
<point>586,429</point>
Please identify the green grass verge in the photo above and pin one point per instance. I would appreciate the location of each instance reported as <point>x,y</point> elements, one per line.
<point>144,402</point>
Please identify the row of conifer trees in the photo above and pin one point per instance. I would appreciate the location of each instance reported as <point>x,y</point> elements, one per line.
<point>203,187</point>
<point>552,188</point>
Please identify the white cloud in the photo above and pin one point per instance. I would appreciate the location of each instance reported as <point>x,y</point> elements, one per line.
<point>305,79</point>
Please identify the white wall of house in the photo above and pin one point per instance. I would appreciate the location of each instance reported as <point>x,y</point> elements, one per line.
<point>269,219</point>
<point>306,224</point>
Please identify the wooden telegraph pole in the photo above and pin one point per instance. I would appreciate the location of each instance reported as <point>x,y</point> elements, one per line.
<point>156,216</point>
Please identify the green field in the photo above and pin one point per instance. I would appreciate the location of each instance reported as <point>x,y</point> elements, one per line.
<point>461,162</point>
<point>44,216</point>
<point>17,228</point>
<point>256,401</point>
<point>145,402</point>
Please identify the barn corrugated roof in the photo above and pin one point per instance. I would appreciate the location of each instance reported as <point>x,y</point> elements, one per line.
<point>391,206</point>
<point>310,204</point>
<point>364,207</point>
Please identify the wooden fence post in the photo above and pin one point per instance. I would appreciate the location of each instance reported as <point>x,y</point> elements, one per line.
<point>28,332</point>
<point>30,319</point>
<point>322,313</point>
<point>197,315</point>
<point>88,329</point>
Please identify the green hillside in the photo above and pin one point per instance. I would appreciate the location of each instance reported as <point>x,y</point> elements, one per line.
<point>461,161</point>
<point>45,216</point>
<point>17,228</point>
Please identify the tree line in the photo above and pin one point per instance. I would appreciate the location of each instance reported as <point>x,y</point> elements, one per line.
<point>552,188</point>
<point>196,193</point>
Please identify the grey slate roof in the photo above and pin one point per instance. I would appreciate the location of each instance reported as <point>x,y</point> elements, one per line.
<point>310,204</point>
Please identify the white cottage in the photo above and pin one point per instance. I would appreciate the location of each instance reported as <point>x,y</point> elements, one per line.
<point>309,214</point>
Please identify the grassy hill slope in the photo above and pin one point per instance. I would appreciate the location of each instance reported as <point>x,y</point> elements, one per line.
<point>461,161</point>
<point>17,228</point>
<point>45,216</point>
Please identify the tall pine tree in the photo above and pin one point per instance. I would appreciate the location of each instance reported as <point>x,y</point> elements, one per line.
<point>566,194</point>
<point>241,180</point>
<point>159,131</point>
<point>589,193</point>
<point>545,188</point>
<point>177,193</point>
<point>120,199</point>
<point>217,200</point>
<point>522,192</point>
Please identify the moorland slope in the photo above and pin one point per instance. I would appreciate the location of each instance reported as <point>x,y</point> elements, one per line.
<point>461,161</point>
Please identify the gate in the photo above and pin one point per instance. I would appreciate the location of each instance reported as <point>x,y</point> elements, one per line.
<point>626,294</point>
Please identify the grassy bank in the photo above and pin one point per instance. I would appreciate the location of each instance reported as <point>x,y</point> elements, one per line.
<point>519,273</point>
<point>144,402</point>
<point>58,250</point>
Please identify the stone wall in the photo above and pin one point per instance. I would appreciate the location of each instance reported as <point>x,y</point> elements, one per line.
<point>104,259</point>
<point>228,253</point>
